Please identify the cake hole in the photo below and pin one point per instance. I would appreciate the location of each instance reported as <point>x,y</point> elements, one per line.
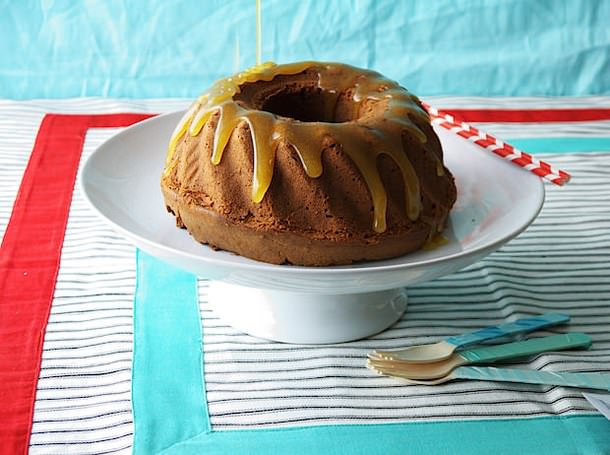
<point>306,104</point>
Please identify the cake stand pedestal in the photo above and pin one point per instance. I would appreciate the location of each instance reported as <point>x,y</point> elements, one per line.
<point>302,318</point>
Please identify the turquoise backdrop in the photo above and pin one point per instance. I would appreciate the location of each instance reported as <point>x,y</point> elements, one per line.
<point>171,48</point>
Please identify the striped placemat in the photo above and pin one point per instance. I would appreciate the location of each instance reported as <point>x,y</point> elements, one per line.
<point>560,263</point>
<point>83,401</point>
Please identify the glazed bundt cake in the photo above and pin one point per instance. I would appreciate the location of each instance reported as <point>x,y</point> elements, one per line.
<point>308,163</point>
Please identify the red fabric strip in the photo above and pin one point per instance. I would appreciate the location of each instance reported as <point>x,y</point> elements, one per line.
<point>529,115</point>
<point>29,261</point>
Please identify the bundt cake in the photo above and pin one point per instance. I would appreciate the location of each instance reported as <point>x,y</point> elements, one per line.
<point>308,163</point>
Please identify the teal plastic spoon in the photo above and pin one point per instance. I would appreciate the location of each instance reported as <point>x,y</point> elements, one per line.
<point>582,380</point>
<point>443,349</point>
<point>481,355</point>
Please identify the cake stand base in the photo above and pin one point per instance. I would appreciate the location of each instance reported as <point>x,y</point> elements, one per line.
<point>302,318</point>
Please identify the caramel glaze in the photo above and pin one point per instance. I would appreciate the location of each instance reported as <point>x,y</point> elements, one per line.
<point>347,96</point>
<point>311,164</point>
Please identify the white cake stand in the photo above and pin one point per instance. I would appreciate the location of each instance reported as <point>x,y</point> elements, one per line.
<point>313,305</point>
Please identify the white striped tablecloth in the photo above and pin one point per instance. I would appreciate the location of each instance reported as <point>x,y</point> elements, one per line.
<point>561,263</point>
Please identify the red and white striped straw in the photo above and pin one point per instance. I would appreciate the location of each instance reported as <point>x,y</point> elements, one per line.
<point>490,143</point>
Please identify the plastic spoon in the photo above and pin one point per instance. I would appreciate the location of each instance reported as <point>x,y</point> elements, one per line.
<point>481,355</point>
<point>584,380</point>
<point>443,349</point>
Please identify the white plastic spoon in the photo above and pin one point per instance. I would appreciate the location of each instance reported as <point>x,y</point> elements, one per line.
<point>443,349</point>
<point>481,355</point>
<point>583,380</point>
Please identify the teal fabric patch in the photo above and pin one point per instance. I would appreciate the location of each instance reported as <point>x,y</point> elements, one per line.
<point>171,417</point>
<point>561,144</point>
<point>176,48</point>
<point>569,435</point>
<point>168,396</point>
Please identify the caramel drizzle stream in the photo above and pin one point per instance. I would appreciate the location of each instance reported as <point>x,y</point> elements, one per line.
<point>362,141</point>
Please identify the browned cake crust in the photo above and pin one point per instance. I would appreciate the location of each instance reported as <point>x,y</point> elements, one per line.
<point>302,220</point>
